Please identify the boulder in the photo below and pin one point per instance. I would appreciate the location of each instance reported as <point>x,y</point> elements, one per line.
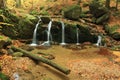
<point>45,20</point>
<point>102,19</point>
<point>116,36</point>
<point>97,9</point>
<point>99,12</point>
<point>72,12</point>
<point>113,31</point>
<point>23,26</point>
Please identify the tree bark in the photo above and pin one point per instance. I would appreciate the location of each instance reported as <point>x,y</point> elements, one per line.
<point>18,3</point>
<point>42,59</point>
<point>2,4</point>
<point>117,1</point>
<point>107,4</point>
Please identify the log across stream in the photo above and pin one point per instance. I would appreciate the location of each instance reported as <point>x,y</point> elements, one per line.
<point>42,59</point>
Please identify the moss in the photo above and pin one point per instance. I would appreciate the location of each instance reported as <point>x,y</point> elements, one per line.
<point>3,76</point>
<point>116,13</point>
<point>97,8</point>
<point>71,7</point>
<point>102,19</point>
<point>85,4</point>
<point>72,12</point>
<point>111,29</point>
<point>1,37</point>
<point>43,12</point>
<point>17,54</point>
<point>34,12</point>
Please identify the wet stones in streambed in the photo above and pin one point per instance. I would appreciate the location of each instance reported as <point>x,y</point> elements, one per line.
<point>74,47</point>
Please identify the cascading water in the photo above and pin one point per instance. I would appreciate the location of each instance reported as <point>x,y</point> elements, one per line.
<point>63,34</point>
<point>99,41</point>
<point>34,40</point>
<point>77,34</point>
<point>47,43</point>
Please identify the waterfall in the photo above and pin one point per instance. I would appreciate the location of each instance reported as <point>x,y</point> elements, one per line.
<point>49,36</point>
<point>63,34</point>
<point>77,34</point>
<point>99,41</point>
<point>49,31</point>
<point>34,40</point>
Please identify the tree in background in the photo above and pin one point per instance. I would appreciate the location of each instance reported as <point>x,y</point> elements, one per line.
<point>117,1</point>
<point>107,4</point>
<point>78,2</point>
<point>18,3</point>
<point>2,3</point>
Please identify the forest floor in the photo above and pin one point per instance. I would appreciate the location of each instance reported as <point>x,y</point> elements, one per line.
<point>89,63</point>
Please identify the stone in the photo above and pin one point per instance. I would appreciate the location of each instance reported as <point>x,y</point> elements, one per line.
<point>72,12</point>
<point>97,9</point>
<point>113,31</point>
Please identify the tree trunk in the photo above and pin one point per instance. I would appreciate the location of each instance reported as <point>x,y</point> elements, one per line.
<point>42,59</point>
<point>107,4</point>
<point>18,3</point>
<point>117,1</point>
<point>2,4</point>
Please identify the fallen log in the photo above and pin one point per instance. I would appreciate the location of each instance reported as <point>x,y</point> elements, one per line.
<point>48,56</point>
<point>42,59</point>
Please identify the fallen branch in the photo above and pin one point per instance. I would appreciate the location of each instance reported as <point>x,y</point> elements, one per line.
<point>42,59</point>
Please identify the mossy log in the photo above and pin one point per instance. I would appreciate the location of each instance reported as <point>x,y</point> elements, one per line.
<point>42,59</point>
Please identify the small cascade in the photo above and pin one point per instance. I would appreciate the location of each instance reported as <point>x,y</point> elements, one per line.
<point>77,34</point>
<point>99,41</point>
<point>16,76</point>
<point>49,36</point>
<point>34,40</point>
<point>63,34</point>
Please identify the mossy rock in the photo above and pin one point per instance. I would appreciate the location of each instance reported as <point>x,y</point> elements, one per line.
<point>113,31</point>
<point>116,36</point>
<point>23,25</point>
<point>85,35</point>
<point>102,19</point>
<point>97,9</point>
<point>72,12</point>
<point>10,31</point>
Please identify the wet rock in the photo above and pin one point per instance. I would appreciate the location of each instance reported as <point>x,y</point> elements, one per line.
<point>23,26</point>
<point>45,20</point>
<point>26,26</point>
